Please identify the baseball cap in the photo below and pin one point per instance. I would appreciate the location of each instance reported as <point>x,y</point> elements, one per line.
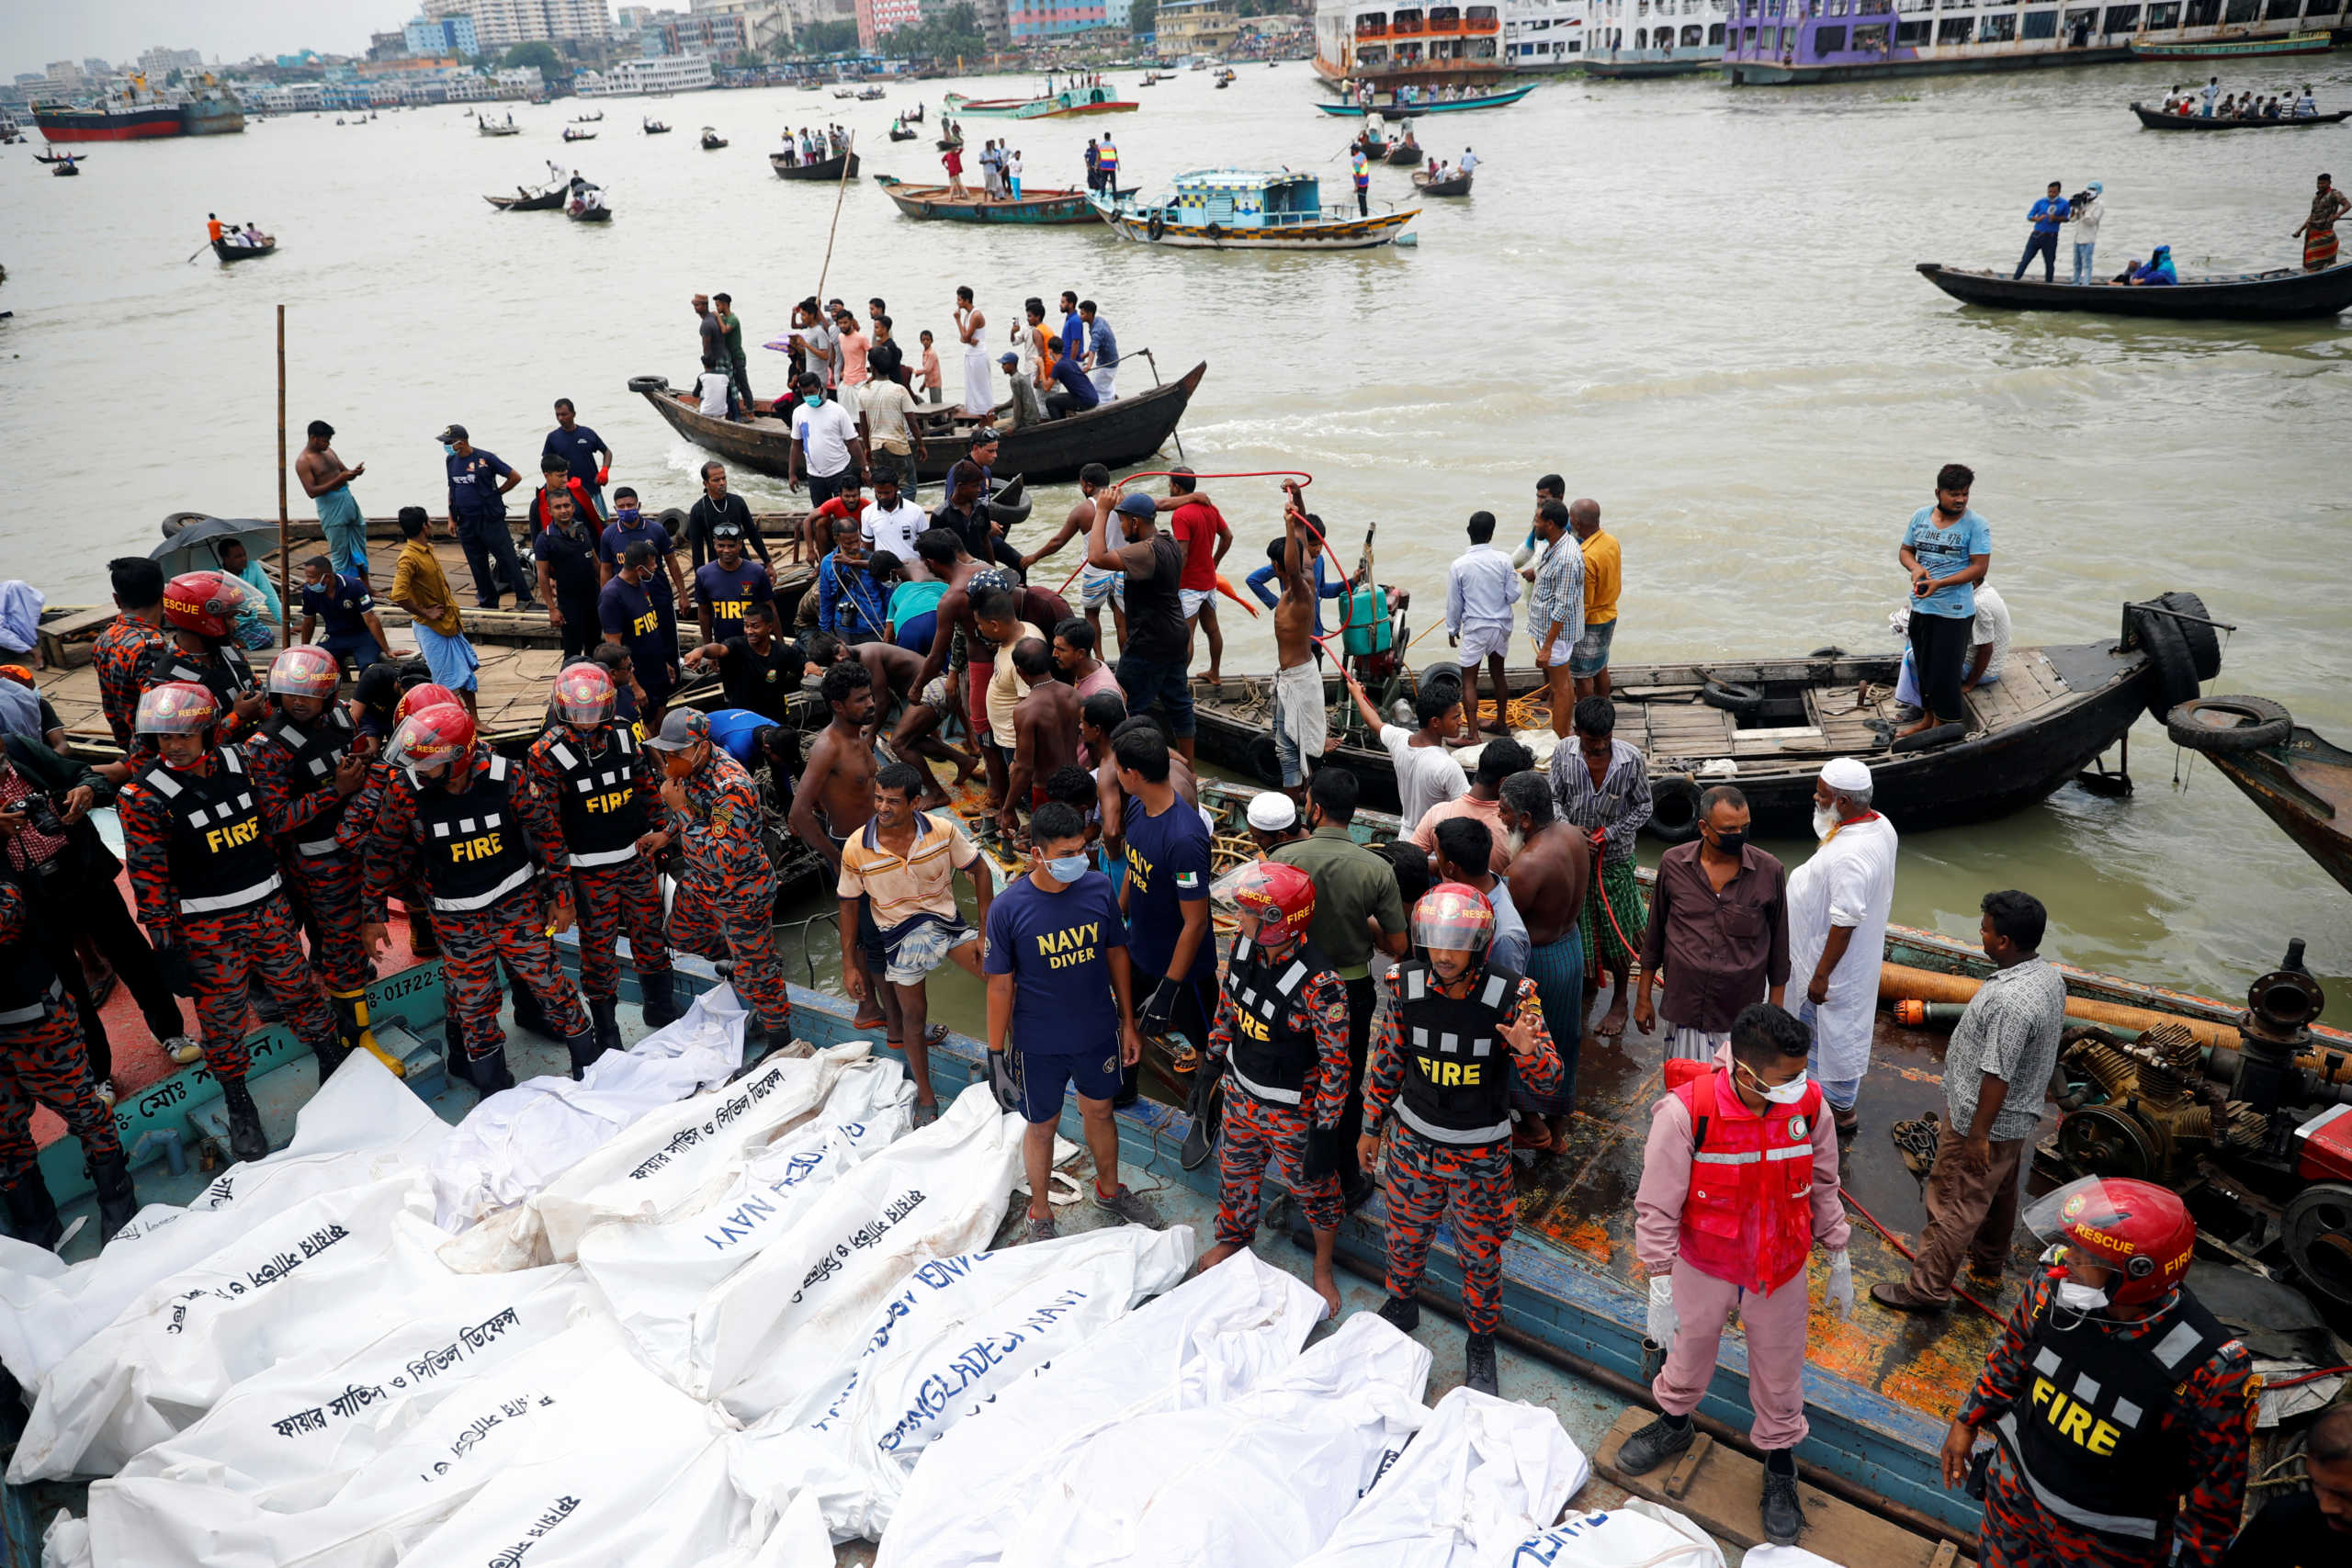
<point>454,432</point>
<point>1139,506</point>
<point>1270,811</point>
<point>681,727</point>
<point>1008,359</point>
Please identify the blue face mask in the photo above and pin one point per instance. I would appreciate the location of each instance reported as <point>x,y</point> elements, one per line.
<point>1065,868</point>
<point>450,449</point>
<point>626,513</point>
<point>814,400</point>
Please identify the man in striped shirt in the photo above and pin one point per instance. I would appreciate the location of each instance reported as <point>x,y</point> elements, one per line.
<point>1555,609</point>
<point>1602,785</point>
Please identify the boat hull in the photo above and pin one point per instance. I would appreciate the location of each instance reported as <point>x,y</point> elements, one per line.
<point>1357,234</point>
<point>2305,787</point>
<point>2294,43</point>
<point>210,117</point>
<point>229,253</point>
<point>1034,210</point>
<point>101,124</point>
<point>550,201</point>
<point>1033,108</point>
<point>1458,185</point>
<point>1119,433</point>
<point>2279,295</point>
<point>2157,119</point>
<point>824,169</point>
<point>1406,111</point>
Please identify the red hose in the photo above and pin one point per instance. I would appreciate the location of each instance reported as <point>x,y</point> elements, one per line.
<point>1871,1220</point>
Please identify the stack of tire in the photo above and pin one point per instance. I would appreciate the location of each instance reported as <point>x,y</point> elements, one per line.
<point>2182,654</point>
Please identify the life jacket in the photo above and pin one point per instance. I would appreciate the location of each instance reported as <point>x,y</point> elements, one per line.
<point>220,858</point>
<point>1749,1217</point>
<point>1457,1067</point>
<point>596,797</point>
<point>2084,1434</point>
<point>228,677</point>
<point>315,753</point>
<point>473,848</point>
<point>1274,1042</point>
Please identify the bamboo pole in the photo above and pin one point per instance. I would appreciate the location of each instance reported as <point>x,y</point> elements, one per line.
<point>840,190</point>
<point>285,543</point>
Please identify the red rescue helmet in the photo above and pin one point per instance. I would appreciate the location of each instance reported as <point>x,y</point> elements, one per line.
<point>1280,898</point>
<point>1453,916</point>
<point>431,737</point>
<point>418,698</point>
<point>177,707</point>
<point>305,670</point>
<point>2139,1230</point>
<point>585,694</point>
<point>205,601</point>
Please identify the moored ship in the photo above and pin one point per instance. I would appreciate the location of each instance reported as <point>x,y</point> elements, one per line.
<point>1371,45</point>
<point>138,114</point>
<point>1634,39</point>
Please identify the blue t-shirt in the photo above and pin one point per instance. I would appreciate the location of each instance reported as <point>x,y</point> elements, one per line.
<point>1075,383</point>
<point>1073,334</point>
<point>1168,861</point>
<point>614,539</point>
<point>474,482</point>
<point>1106,345</point>
<point>578,447</point>
<point>338,604</point>
<point>1943,551</point>
<point>726,592</point>
<point>1057,948</point>
<point>2048,213</point>
<point>646,629</point>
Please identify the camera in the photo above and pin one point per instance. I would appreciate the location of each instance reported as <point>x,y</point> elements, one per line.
<point>41,811</point>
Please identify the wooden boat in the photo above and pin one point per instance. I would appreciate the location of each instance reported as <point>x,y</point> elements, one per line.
<point>1404,154</point>
<point>1419,107</point>
<point>1453,185</point>
<point>46,157</point>
<point>2157,119</point>
<point>488,129</point>
<point>1371,144</point>
<point>655,128</point>
<point>903,133</point>
<point>588,118</point>
<point>1249,209</point>
<point>712,141</point>
<point>229,253</point>
<point>1121,432</point>
<point>1036,208</point>
<point>1067,103</point>
<point>581,212</point>
<point>2282,294</point>
<point>2318,42</point>
<point>2051,714</point>
<point>66,167</point>
<point>572,135</point>
<point>2301,780</point>
<point>822,169</point>
<point>871,94</point>
<point>550,200</point>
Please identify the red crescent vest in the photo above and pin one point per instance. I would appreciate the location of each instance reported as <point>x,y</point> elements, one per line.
<point>1749,1218</point>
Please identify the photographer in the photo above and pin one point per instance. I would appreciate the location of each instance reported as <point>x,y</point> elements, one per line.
<point>2088,209</point>
<point>50,848</point>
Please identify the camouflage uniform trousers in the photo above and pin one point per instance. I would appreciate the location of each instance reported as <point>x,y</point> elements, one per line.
<point>614,901</point>
<point>2019,1532</point>
<point>1256,1137</point>
<point>223,949</point>
<point>1471,1189</point>
<point>328,888</point>
<point>472,943</point>
<point>45,1060</point>
<point>736,927</point>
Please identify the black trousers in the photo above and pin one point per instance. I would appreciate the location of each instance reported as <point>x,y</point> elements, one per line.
<point>582,630</point>
<point>1942,645</point>
<point>2047,245</point>
<point>74,906</point>
<point>1361,995</point>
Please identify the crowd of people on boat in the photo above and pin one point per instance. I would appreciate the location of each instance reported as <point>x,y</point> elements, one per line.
<point>1001,169</point>
<point>2209,101</point>
<point>815,144</point>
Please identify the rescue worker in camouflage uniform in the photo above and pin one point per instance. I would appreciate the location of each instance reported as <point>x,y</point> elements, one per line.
<point>205,876</point>
<point>590,799</point>
<point>1281,1034</point>
<point>455,810</point>
<point>726,901</point>
<point>308,762</point>
<point>1455,1034</point>
<point>122,646</point>
<point>2123,1409</point>
<point>200,611</point>
<point>43,1058</point>
<point>379,717</point>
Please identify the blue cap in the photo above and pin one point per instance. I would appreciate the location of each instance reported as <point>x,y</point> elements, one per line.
<point>1139,506</point>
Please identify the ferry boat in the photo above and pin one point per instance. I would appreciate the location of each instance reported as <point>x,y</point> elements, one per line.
<point>1370,45</point>
<point>1249,209</point>
<point>1628,40</point>
<point>1068,101</point>
<point>1781,42</point>
<point>1543,35</point>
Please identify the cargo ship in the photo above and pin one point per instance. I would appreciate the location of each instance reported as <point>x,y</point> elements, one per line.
<point>139,115</point>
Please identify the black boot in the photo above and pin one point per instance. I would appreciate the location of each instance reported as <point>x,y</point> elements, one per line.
<point>118,1204</point>
<point>1480,1365</point>
<point>332,1054</point>
<point>529,1017</point>
<point>32,1212</point>
<point>585,1047</point>
<point>1783,1516</point>
<point>486,1072</point>
<point>1655,1444</point>
<point>660,990</point>
<point>1402,1313</point>
<point>607,1026</point>
<point>246,1140</point>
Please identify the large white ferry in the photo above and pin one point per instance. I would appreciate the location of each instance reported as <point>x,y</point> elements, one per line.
<point>1654,37</point>
<point>1404,43</point>
<point>1543,35</point>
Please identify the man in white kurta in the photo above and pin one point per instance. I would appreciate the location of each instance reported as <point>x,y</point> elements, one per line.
<point>1837,905</point>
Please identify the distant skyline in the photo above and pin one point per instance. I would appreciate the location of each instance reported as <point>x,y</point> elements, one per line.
<point>32,33</point>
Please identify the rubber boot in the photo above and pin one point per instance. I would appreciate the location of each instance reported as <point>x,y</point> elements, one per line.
<point>1402,1313</point>
<point>529,1017</point>
<point>32,1212</point>
<point>246,1140</point>
<point>585,1047</point>
<point>332,1054</point>
<point>486,1072</point>
<point>117,1202</point>
<point>420,939</point>
<point>1479,1365</point>
<point>660,990</point>
<point>602,1019</point>
<point>351,1023</point>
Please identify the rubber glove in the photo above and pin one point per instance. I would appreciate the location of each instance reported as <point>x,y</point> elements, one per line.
<point>1663,1323</point>
<point>1160,1011</point>
<point>1327,1150</point>
<point>1841,1283</point>
<point>1002,1082</point>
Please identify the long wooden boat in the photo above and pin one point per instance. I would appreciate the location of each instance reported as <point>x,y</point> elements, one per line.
<point>2054,712</point>
<point>823,169</point>
<point>2318,42</point>
<point>1249,209</point>
<point>1453,185</point>
<point>543,201</point>
<point>1044,207</point>
<point>2157,119</point>
<point>1457,106</point>
<point>1069,103</point>
<point>487,128</point>
<point>572,135</point>
<point>47,157</point>
<point>1119,433</point>
<point>229,253</point>
<point>2301,780</point>
<point>2280,295</point>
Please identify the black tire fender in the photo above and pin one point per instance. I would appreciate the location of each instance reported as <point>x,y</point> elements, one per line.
<point>2225,725</point>
<point>2172,670</point>
<point>1444,669</point>
<point>649,383</point>
<point>1674,809</point>
<point>1215,232</point>
<point>1731,696</point>
<point>1157,227</point>
<point>1264,762</point>
<point>2204,645</point>
<point>175,522</point>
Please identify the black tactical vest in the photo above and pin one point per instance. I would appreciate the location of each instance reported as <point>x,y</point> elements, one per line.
<point>1274,1042</point>
<point>220,857</point>
<point>315,753</point>
<point>1457,1068</point>
<point>473,852</point>
<point>596,797</point>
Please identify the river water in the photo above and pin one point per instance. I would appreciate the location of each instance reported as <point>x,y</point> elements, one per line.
<point>1696,303</point>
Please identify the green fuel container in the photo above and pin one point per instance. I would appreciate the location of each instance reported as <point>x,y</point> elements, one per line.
<point>1369,628</point>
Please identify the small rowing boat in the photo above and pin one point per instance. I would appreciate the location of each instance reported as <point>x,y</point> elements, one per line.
<point>528,201</point>
<point>655,128</point>
<point>822,169</point>
<point>2157,119</point>
<point>2281,295</point>
<point>1036,209</point>
<point>1404,153</point>
<point>229,253</point>
<point>1421,106</point>
<point>570,134</point>
<point>1454,184</point>
<point>712,141</point>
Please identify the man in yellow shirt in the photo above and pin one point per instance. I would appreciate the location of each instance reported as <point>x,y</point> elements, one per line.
<point>421,588</point>
<point>1603,569</point>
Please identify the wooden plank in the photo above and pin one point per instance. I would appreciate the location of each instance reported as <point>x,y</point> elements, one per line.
<point>1720,1489</point>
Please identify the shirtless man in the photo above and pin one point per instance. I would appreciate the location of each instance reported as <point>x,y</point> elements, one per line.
<point>945,555</point>
<point>893,669</point>
<point>1044,731</point>
<point>1302,726</point>
<point>1550,870</point>
<point>327,483</point>
<point>834,797</point>
<point>1094,587</point>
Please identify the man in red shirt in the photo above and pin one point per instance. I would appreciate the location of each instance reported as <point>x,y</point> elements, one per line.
<point>554,471</point>
<point>1202,532</point>
<point>826,525</point>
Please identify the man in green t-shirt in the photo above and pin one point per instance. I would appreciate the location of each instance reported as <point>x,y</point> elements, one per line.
<point>730,330</point>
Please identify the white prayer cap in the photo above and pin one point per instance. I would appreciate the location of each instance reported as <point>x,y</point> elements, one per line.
<point>1271,811</point>
<point>1847,774</point>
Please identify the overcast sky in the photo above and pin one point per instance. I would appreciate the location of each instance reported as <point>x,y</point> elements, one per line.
<point>34,32</point>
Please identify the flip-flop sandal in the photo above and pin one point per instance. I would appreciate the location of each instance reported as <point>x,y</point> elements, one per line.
<point>919,1115</point>
<point>935,1033</point>
<point>1183,1058</point>
<point>1533,1135</point>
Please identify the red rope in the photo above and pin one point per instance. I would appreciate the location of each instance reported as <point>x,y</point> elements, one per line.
<point>1891,1240</point>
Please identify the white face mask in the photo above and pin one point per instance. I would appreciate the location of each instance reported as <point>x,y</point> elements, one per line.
<point>1825,821</point>
<point>1788,1093</point>
<point>2080,1298</point>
